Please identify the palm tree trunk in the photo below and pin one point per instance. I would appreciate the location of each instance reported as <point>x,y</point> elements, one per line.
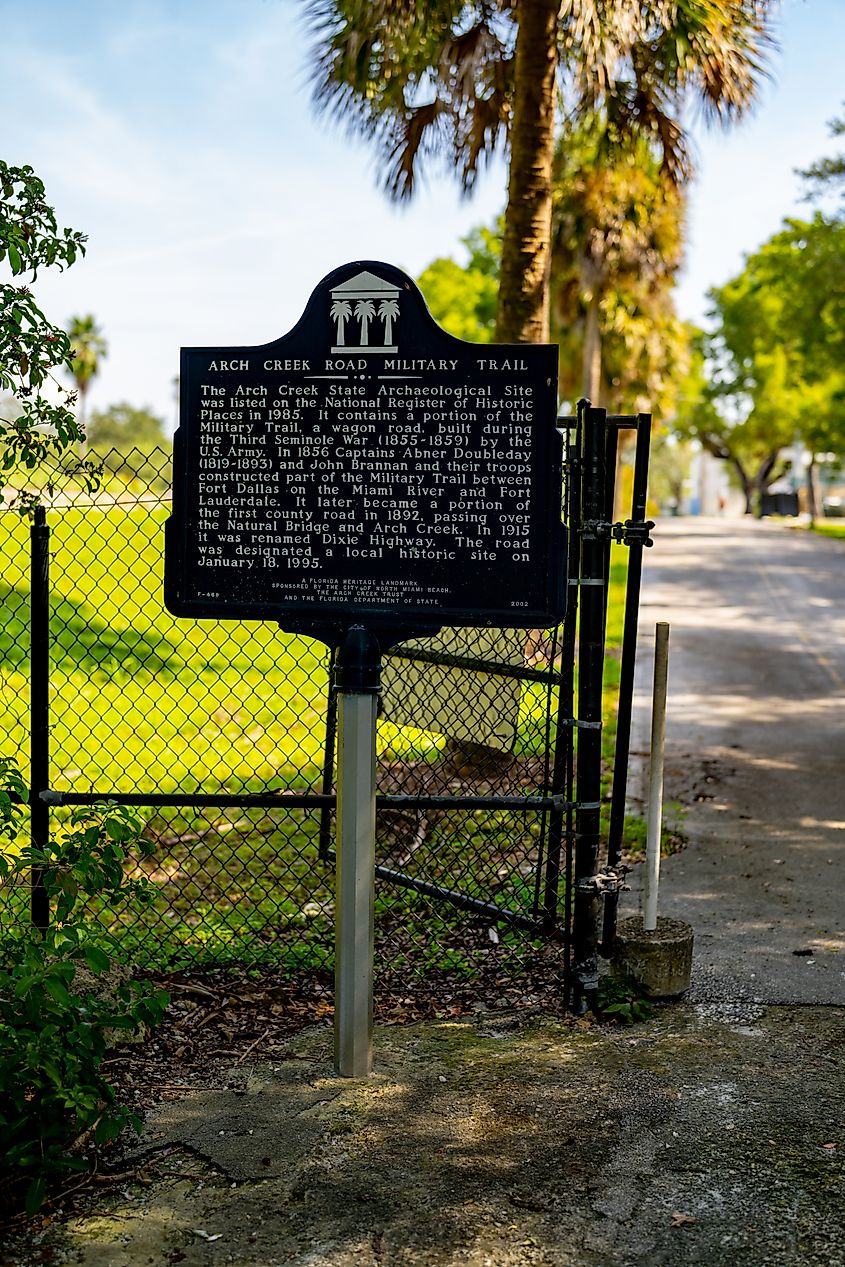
<point>592,351</point>
<point>522,314</point>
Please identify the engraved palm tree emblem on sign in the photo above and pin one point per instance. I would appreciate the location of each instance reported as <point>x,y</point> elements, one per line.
<point>341,312</point>
<point>370,305</point>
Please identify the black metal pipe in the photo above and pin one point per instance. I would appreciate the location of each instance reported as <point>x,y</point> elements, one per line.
<point>358,669</point>
<point>220,800</point>
<point>577,517</point>
<point>611,454</point>
<point>624,713</point>
<point>462,900</point>
<point>523,672</point>
<point>39,707</point>
<point>471,802</point>
<point>545,845</point>
<point>590,677</point>
<point>304,800</point>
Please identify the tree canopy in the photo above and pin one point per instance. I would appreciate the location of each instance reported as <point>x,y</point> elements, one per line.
<point>131,444</point>
<point>771,371</point>
<point>617,239</point>
<point>828,174</point>
<point>454,81</point>
<point>88,346</point>
<point>642,341</point>
<point>462,298</point>
<point>124,427</point>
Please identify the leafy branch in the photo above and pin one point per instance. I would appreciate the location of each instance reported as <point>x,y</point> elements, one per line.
<point>31,346</point>
<point>55,1025</point>
<point>622,1000</point>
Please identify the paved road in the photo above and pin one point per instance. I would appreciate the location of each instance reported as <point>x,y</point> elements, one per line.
<point>755,753</point>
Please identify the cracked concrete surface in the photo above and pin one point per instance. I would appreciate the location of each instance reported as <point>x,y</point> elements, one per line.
<point>680,1141</point>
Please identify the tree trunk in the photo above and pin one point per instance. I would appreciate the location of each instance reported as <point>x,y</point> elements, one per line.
<point>747,486</point>
<point>522,314</point>
<point>812,490</point>
<point>592,351</point>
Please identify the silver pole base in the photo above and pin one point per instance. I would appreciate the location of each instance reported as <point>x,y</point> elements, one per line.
<point>355,885</point>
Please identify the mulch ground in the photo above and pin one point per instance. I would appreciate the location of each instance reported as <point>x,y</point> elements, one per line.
<point>220,1019</point>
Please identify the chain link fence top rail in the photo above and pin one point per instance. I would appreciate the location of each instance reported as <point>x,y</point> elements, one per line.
<point>144,704</point>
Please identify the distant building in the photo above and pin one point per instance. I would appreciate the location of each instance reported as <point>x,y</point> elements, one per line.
<point>708,488</point>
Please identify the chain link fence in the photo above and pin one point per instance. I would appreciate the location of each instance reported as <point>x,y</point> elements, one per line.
<point>224,733</point>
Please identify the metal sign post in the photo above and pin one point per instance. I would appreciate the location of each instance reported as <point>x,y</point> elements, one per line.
<point>364,479</point>
<point>357,687</point>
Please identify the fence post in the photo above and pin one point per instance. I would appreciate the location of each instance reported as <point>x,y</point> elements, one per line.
<point>560,820</point>
<point>626,676</point>
<point>39,706</point>
<point>590,676</point>
<point>655,776</point>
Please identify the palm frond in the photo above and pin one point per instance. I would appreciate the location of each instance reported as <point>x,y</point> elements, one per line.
<point>718,50</point>
<point>414,135</point>
<point>426,81</point>
<point>431,81</point>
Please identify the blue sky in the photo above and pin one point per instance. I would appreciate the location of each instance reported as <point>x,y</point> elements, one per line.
<point>180,136</point>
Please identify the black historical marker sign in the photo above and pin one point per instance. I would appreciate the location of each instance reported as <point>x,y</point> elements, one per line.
<point>368,467</point>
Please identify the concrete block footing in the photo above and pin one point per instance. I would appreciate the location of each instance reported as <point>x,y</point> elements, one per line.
<point>659,961</point>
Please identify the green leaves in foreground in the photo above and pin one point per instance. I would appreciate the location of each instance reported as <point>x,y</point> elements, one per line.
<point>62,999</point>
<point>53,1037</point>
<point>622,1000</point>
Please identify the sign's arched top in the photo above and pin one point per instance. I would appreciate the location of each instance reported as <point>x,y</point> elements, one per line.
<point>367,466</point>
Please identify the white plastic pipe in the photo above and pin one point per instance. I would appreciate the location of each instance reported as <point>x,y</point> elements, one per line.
<point>655,776</point>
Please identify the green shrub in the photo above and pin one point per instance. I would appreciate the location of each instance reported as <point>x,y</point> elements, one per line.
<point>621,999</point>
<point>54,1028</point>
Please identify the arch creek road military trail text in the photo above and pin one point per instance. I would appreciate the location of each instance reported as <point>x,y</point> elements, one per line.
<point>451,478</point>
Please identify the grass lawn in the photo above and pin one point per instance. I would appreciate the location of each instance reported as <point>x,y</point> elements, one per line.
<point>141,702</point>
<point>830,528</point>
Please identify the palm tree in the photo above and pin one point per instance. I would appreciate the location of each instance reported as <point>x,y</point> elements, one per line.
<point>88,347</point>
<point>341,312</point>
<point>388,310</point>
<point>455,82</point>
<point>365,310</point>
<point>616,234</point>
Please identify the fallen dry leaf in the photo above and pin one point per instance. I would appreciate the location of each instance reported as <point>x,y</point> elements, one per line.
<point>679,1219</point>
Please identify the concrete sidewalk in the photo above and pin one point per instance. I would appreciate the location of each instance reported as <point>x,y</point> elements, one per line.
<point>711,1134</point>
<point>755,753</point>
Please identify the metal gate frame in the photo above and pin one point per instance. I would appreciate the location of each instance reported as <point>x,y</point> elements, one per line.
<point>570,801</point>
